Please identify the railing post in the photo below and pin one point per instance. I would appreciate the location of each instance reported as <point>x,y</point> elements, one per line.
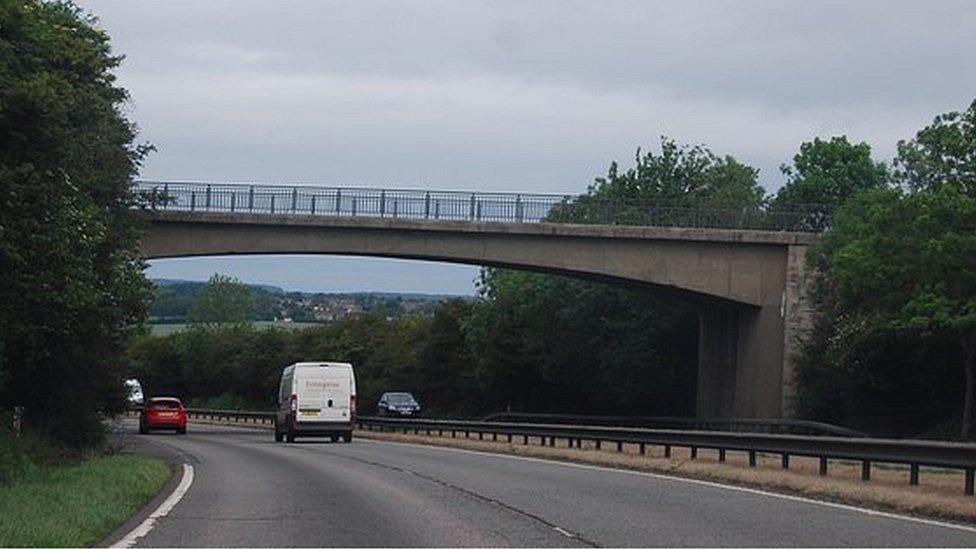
<point>427,205</point>
<point>294,199</point>
<point>233,201</point>
<point>354,200</point>
<point>207,207</point>
<point>479,210</point>
<point>395,207</point>
<point>437,209</point>
<point>193,200</point>
<point>313,204</point>
<point>250,199</point>
<point>272,202</point>
<point>382,203</point>
<point>518,208</point>
<point>338,207</point>
<point>471,209</point>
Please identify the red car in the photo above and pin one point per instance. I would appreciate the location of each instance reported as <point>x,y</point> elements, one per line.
<point>163,413</point>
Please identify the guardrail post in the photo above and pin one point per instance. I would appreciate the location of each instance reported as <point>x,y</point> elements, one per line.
<point>509,438</point>
<point>598,444</point>
<point>552,442</point>
<point>667,451</point>
<point>694,452</point>
<point>525,440</point>
<point>752,458</point>
<point>913,474</point>
<point>823,466</point>
<point>969,481</point>
<point>579,443</point>
<point>721,454</point>
<point>620,446</point>
<point>866,470</point>
<point>207,207</point>
<point>786,461</point>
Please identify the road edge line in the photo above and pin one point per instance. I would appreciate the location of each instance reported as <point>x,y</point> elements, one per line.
<point>164,508</point>
<point>678,478</point>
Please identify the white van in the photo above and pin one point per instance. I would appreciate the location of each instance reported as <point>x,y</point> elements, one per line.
<point>316,399</point>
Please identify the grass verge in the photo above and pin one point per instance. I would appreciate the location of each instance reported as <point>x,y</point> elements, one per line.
<point>77,503</point>
<point>939,495</point>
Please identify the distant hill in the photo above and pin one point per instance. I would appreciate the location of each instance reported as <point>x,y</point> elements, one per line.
<point>174,298</point>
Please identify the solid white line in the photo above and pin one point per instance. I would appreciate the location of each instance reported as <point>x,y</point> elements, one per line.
<point>164,508</point>
<point>756,491</point>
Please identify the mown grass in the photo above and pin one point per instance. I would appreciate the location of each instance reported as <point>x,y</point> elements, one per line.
<point>77,503</point>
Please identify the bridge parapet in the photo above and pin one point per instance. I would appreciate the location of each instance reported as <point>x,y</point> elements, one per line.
<point>472,206</point>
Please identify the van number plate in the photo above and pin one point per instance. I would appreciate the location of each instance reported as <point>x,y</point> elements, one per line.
<point>310,412</point>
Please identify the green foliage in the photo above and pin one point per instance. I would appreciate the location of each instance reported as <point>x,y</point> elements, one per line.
<point>224,300</point>
<point>76,504</point>
<point>943,153</point>
<point>895,347</point>
<point>544,342</point>
<point>73,286</point>
<point>829,172</point>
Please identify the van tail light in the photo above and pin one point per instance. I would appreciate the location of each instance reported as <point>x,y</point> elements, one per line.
<point>352,407</point>
<point>294,404</point>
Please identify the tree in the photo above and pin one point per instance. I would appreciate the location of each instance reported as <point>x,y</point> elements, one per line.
<point>829,172</point>
<point>943,153</point>
<point>224,300</point>
<point>551,343</point>
<point>73,288</point>
<point>903,264</point>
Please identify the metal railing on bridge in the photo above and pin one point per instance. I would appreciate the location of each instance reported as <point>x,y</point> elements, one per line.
<point>470,206</point>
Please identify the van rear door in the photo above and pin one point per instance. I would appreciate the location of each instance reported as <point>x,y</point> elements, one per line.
<point>323,393</point>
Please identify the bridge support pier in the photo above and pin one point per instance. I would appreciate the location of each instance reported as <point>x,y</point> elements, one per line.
<point>746,354</point>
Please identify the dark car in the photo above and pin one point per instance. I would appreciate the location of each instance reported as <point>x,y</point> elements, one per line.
<point>398,404</point>
<point>163,413</point>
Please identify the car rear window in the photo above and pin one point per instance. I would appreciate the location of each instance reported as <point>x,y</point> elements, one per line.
<point>167,404</point>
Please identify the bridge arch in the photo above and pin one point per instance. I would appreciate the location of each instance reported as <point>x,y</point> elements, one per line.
<point>747,285</point>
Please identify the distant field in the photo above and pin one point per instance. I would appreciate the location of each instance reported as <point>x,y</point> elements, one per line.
<point>167,329</point>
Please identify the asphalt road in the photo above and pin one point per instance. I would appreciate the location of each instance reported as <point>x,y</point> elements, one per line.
<point>250,491</point>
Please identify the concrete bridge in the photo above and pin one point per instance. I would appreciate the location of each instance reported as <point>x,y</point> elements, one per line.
<point>748,284</point>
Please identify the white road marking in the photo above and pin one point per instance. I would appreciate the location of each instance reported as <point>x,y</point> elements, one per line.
<point>164,508</point>
<point>755,491</point>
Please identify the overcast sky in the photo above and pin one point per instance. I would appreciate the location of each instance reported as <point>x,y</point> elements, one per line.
<point>527,96</point>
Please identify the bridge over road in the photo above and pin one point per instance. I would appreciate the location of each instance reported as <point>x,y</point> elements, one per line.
<point>746,277</point>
